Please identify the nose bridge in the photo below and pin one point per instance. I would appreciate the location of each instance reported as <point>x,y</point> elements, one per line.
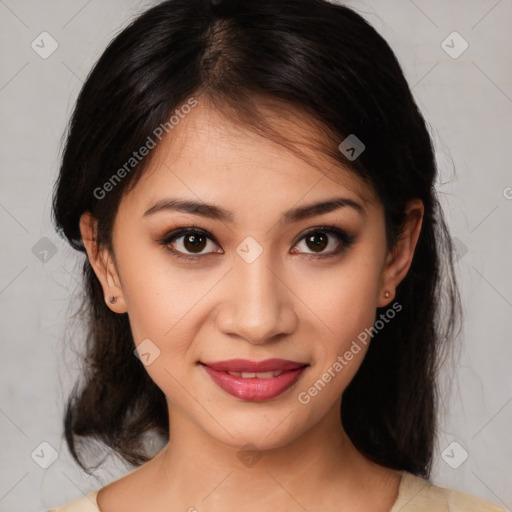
<point>258,304</point>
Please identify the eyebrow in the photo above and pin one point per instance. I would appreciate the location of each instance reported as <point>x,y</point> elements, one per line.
<point>215,212</point>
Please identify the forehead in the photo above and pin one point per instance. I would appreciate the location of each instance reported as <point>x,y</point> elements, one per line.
<point>210,157</point>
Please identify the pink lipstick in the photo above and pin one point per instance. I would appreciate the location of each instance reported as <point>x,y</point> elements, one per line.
<point>254,380</point>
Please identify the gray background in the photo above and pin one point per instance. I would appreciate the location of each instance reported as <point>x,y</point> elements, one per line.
<point>467,101</point>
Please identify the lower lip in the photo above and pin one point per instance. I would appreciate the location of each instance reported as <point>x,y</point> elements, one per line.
<point>255,390</point>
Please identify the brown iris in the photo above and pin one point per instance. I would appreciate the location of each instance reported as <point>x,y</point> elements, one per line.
<point>317,241</point>
<point>194,242</point>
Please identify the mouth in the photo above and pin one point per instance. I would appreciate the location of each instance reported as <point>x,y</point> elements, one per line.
<point>254,380</point>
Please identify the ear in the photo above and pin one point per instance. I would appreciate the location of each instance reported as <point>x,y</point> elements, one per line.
<point>399,260</point>
<point>102,263</point>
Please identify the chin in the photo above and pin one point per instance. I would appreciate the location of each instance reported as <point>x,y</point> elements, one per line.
<point>259,431</point>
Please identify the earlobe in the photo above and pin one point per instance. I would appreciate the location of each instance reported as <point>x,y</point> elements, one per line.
<point>400,258</point>
<point>102,263</point>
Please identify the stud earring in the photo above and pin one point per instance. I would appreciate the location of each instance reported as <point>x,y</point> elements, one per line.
<point>387,294</point>
<point>112,300</point>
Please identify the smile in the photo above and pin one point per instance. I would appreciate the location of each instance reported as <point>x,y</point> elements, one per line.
<point>253,380</point>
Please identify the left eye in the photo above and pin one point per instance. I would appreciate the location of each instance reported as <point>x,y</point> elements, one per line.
<point>324,241</point>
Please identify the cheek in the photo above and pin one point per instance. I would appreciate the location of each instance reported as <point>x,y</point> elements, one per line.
<point>344,298</point>
<point>159,295</point>
<point>164,305</point>
<point>344,301</point>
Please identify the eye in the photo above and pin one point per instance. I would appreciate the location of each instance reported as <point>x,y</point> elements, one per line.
<point>192,243</point>
<point>324,241</point>
<point>189,243</point>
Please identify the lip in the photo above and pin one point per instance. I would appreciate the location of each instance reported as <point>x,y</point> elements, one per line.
<point>254,389</point>
<point>245,365</point>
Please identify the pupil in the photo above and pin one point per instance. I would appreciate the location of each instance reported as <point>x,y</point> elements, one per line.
<point>317,241</point>
<point>194,242</point>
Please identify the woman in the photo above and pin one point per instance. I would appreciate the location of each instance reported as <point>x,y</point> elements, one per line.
<point>253,186</point>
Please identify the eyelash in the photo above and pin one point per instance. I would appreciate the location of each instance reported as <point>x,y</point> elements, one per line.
<point>346,240</point>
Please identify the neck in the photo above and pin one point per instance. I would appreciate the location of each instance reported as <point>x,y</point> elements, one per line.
<point>207,473</point>
<point>318,470</point>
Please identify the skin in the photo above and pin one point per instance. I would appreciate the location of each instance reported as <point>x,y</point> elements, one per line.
<point>287,304</point>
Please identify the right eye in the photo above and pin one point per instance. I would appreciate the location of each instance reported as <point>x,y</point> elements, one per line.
<point>189,243</point>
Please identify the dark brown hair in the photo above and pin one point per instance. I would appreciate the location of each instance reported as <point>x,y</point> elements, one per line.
<point>315,57</point>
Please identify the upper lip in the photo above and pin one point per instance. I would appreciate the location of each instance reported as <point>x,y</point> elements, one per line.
<point>245,365</point>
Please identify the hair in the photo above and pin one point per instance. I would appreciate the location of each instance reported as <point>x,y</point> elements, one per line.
<point>310,56</point>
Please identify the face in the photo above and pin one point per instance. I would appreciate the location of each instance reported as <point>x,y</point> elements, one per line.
<point>258,274</point>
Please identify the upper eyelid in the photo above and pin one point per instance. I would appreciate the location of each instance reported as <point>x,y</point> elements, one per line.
<point>179,232</point>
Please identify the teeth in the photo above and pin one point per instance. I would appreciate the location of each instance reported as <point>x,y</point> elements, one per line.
<point>267,375</point>
<point>257,375</point>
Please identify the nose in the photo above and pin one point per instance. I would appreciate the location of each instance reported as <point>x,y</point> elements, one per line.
<point>258,305</point>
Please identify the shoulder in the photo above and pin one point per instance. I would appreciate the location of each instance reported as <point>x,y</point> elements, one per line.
<point>419,495</point>
<point>85,504</point>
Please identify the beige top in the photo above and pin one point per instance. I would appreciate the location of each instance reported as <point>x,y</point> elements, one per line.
<point>415,494</point>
